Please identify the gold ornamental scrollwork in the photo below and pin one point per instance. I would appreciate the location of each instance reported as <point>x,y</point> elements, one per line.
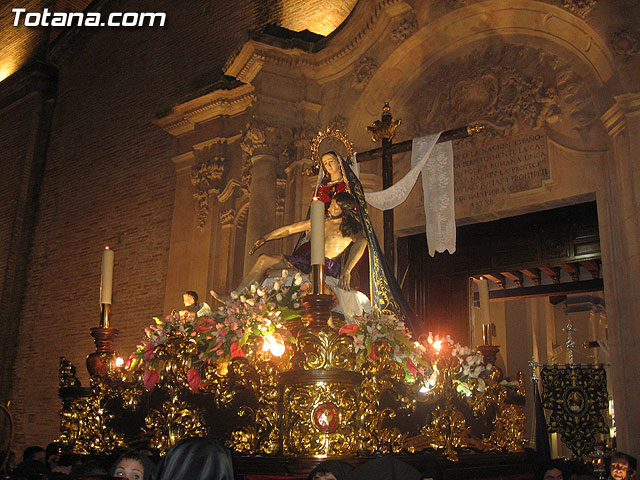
<point>322,135</point>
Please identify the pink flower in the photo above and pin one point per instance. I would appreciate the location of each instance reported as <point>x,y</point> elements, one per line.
<point>410,366</point>
<point>150,378</point>
<point>193,377</point>
<point>349,329</point>
<point>148,351</point>
<point>236,351</point>
<point>202,328</point>
<point>372,353</point>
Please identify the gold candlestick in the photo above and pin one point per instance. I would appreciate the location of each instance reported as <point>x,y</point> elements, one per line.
<point>105,311</point>
<point>317,278</point>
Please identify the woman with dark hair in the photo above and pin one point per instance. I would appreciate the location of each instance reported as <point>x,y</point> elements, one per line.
<point>195,459</point>
<point>133,465</point>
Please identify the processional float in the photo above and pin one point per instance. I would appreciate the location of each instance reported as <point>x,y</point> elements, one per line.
<point>275,373</point>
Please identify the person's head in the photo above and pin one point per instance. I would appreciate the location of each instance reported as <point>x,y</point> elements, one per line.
<point>344,205</point>
<point>331,470</point>
<point>619,466</point>
<point>195,459</point>
<point>331,165</point>
<point>35,453</point>
<point>553,472</point>
<point>189,298</point>
<point>133,466</point>
<point>52,455</point>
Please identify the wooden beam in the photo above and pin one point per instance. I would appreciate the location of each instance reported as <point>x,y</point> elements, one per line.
<point>515,277</point>
<point>572,269</point>
<point>582,286</point>
<point>447,135</point>
<point>592,267</point>
<point>534,274</point>
<point>553,272</point>
<point>496,278</point>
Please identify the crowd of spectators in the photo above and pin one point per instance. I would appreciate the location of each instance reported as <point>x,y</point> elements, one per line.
<point>204,459</point>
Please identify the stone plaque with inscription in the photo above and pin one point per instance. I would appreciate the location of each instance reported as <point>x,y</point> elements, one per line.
<point>487,174</point>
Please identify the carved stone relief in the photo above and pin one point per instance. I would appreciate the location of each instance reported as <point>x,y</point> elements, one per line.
<point>579,7</point>
<point>625,44</point>
<point>506,87</point>
<point>227,217</point>
<point>263,138</point>
<point>363,72</point>
<point>207,176</point>
<point>339,122</point>
<point>407,27</point>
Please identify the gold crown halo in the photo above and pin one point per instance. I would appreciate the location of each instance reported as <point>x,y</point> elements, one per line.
<point>319,138</point>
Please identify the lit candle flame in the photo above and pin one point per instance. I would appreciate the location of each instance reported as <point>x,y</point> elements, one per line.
<point>119,362</point>
<point>437,345</point>
<point>274,344</point>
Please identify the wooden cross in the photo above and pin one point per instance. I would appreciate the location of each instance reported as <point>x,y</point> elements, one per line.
<point>383,131</point>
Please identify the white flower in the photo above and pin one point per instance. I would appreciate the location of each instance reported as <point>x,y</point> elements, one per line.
<point>234,295</point>
<point>285,273</point>
<point>297,281</point>
<point>276,286</point>
<point>260,292</point>
<point>243,299</point>
<point>296,305</point>
<point>253,288</point>
<point>251,302</point>
<point>279,297</point>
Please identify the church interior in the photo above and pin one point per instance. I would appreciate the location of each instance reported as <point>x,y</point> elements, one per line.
<point>179,146</point>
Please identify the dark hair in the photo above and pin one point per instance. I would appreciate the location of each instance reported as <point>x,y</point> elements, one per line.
<point>350,225</point>
<point>144,460</point>
<point>193,294</point>
<point>557,464</point>
<point>340,470</point>
<point>195,459</point>
<point>30,452</point>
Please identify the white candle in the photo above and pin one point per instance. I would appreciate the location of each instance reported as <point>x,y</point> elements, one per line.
<point>106,279</point>
<point>317,232</point>
<point>483,293</point>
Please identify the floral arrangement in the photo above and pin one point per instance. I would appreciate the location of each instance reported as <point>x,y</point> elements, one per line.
<point>261,311</point>
<point>472,372</point>
<point>370,328</point>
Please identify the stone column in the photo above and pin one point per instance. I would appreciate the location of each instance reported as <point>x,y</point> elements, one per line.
<point>263,144</point>
<point>621,265</point>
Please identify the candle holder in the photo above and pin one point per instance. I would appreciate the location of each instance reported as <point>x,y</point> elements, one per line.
<point>318,309</point>
<point>102,360</point>
<point>105,311</point>
<point>317,304</point>
<point>489,353</point>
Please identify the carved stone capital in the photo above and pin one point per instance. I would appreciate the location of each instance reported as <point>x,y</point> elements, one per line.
<point>262,138</point>
<point>207,176</point>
